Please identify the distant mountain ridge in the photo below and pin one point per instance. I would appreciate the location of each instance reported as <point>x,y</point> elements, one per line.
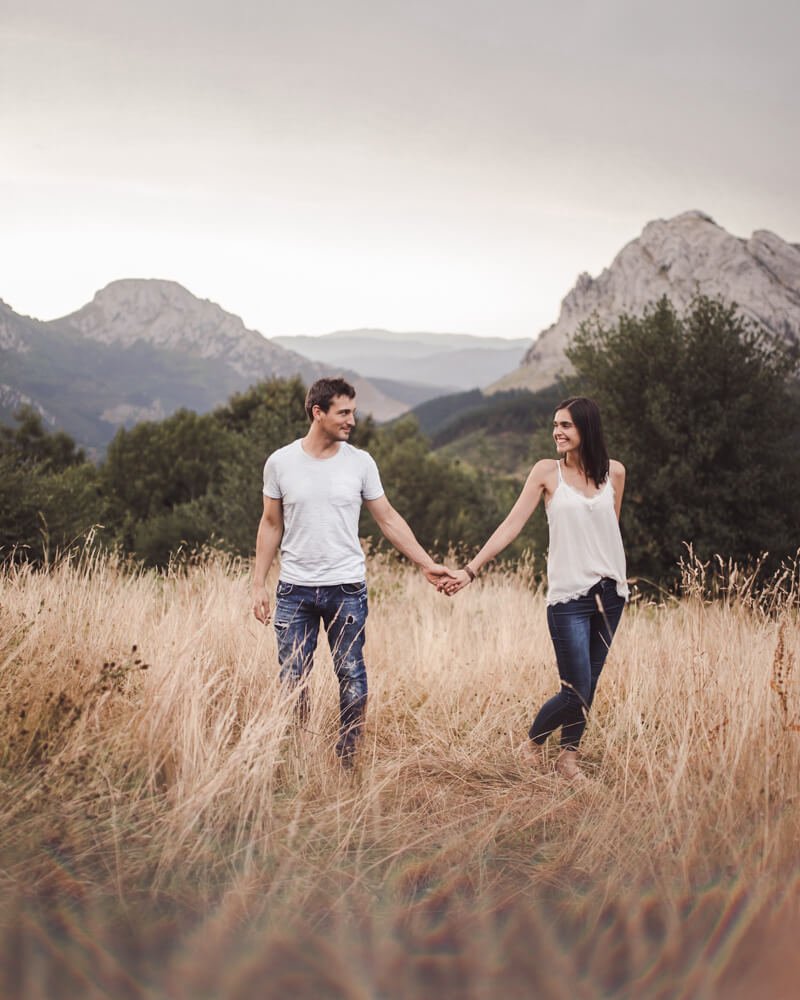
<point>142,349</point>
<point>450,362</point>
<point>677,257</point>
<point>378,341</point>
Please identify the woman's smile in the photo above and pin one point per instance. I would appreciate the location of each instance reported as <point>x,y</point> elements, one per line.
<point>565,433</point>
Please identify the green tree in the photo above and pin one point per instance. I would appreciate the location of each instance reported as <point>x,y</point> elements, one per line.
<point>186,526</point>
<point>271,413</point>
<point>266,417</point>
<point>445,503</point>
<point>43,513</point>
<point>157,465</point>
<point>703,410</point>
<point>30,444</point>
<point>51,497</point>
<point>192,478</point>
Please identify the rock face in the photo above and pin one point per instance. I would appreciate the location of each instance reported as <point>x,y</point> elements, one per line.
<point>679,258</point>
<point>11,399</point>
<point>10,338</point>
<point>167,316</point>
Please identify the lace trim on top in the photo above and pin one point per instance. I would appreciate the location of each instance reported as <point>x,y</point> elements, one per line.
<point>585,591</point>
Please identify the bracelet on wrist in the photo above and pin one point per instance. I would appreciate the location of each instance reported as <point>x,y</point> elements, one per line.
<point>470,573</point>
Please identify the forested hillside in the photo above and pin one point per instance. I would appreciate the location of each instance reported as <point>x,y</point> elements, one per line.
<point>502,434</point>
<point>195,479</point>
<point>702,408</point>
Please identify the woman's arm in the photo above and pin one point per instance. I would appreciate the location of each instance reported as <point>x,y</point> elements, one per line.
<point>617,472</point>
<point>507,531</point>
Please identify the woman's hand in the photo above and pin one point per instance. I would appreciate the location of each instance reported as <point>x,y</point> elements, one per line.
<point>457,580</point>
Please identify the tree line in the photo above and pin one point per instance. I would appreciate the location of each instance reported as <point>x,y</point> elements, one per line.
<point>703,409</point>
<point>195,479</point>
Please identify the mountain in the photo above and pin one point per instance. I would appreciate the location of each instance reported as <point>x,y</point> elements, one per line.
<point>166,316</point>
<point>447,362</point>
<point>140,350</point>
<point>677,257</point>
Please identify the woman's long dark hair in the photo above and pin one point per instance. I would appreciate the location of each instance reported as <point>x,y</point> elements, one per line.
<point>592,451</point>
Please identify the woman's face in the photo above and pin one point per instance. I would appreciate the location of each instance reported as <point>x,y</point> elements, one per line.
<point>565,433</point>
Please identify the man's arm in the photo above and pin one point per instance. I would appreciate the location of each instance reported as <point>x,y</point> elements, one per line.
<point>396,529</point>
<point>270,531</point>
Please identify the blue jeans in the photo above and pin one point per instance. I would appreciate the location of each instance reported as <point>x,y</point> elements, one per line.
<point>581,631</point>
<point>342,610</point>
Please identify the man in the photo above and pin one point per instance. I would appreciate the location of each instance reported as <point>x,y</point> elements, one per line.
<point>313,491</point>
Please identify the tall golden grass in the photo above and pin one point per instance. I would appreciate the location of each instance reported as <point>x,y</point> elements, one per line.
<point>168,832</point>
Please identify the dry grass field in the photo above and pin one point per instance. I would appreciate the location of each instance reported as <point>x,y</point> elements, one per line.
<point>166,832</point>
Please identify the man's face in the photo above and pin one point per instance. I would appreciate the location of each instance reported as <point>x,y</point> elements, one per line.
<point>340,419</point>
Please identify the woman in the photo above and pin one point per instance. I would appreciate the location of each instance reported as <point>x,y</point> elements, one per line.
<point>587,588</point>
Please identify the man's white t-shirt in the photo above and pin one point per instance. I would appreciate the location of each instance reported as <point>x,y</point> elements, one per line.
<point>321,505</point>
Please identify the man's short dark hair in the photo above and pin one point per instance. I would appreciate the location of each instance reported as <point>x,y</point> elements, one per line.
<point>323,392</point>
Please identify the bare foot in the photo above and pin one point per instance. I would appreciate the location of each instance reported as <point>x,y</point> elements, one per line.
<point>567,766</point>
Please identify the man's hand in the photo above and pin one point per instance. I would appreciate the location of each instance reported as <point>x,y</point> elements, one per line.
<point>261,608</point>
<point>438,574</point>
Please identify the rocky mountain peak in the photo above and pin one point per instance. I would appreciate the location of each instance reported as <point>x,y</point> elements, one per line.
<point>678,257</point>
<point>167,315</point>
<point>148,298</point>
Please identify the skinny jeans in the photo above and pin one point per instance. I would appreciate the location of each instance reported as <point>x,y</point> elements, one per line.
<point>581,630</point>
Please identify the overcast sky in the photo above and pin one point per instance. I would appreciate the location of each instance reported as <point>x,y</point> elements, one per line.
<point>445,165</point>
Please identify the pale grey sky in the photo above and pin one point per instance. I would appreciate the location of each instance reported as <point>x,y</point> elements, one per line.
<point>445,165</point>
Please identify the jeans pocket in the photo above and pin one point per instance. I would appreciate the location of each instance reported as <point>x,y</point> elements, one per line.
<point>284,589</point>
<point>353,589</point>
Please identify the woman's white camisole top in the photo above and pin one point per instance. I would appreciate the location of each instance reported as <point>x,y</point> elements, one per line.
<point>585,542</point>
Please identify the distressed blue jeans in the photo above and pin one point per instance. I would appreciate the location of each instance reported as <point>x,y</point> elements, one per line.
<point>342,611</point>
<point>581,631</point>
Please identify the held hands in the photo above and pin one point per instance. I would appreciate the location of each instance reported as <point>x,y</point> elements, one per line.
<point>456,581</point>
<point>447,581</point>
<point>437,574</point>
